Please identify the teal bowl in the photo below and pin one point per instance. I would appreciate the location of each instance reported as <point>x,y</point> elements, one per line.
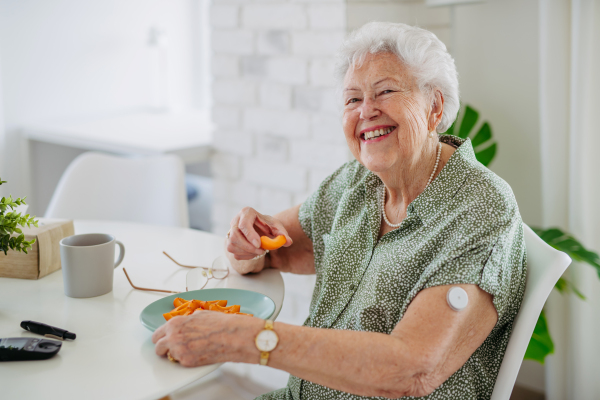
<point>251,302</point>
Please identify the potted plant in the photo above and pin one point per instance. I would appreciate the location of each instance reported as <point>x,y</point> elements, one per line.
<point>11,236</point>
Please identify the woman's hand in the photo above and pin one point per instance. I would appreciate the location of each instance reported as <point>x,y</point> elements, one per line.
<point>243,243</point>
<point>208,337</point>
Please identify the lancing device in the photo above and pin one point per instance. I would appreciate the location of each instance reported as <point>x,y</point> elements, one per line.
<point>47,330</point>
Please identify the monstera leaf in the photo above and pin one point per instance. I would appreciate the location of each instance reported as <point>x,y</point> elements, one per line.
<point>483,144</point>
<point>540,344</point>
<point>564,242</point>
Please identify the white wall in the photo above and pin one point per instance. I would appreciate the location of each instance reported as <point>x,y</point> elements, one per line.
<point>2,136</point>
<point>65,59</point>
<point>437,20</point>
<point>496,47</point>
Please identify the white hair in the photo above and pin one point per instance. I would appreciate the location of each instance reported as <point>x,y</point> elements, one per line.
<point>420,50</point>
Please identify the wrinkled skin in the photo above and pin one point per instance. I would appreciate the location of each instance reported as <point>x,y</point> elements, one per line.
<point>205,337</point>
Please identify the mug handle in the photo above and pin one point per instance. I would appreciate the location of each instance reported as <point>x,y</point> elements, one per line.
<point>121,253</point>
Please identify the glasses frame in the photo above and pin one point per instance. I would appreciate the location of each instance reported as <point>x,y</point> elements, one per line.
<point>206,271</point>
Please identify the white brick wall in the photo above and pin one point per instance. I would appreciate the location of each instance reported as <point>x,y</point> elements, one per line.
<point>274,98</point>
<point>317,43</point>
<point>274,16</point>
<point>232,41</point>
<point>275,107</point>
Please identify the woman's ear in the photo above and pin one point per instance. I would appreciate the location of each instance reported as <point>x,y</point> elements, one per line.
<point>437,110</point>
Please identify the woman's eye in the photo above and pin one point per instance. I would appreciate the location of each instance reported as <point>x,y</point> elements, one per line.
<point>387,91</point>
<point>353,100</point>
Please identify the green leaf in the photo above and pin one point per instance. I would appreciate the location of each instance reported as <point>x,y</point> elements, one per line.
<point>564,242</point>
<point>549,235</point>
<point>468,122</point>
<point>565,286</point>
<point>483,135</point>
<point>9,225</point>
<point>479,139</point>
<point>541,343</point>
<point>486,155</point>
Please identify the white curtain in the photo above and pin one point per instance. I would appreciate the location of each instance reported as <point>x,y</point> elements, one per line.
<point>2,138</point>
<point>569,103</point>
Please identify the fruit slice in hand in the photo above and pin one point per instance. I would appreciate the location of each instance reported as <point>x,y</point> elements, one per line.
<point>272,244</point>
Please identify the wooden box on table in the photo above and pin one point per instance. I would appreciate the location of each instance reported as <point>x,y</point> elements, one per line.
<point>44,256</point>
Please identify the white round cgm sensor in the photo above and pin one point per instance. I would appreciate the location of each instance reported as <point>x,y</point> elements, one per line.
<point>457,298</point>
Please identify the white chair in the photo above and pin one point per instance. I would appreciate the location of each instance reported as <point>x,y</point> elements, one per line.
<point>545,266</point>
<point>106,187</point>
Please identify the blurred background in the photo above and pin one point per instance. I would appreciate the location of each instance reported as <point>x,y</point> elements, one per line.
<point>242,92</point>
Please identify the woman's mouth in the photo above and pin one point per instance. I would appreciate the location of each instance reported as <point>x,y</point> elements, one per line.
<point>377,134</point>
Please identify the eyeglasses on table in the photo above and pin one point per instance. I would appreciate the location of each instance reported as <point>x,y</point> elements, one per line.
<point>196,278</point>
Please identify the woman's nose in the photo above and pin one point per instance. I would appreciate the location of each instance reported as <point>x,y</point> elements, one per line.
<point>369,109</point>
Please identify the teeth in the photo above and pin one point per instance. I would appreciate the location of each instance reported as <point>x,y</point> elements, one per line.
<point>378,132</point>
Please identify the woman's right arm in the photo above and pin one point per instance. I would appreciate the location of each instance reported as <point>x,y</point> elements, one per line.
<point>243,243</point>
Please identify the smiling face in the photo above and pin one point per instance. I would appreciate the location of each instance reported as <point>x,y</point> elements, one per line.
<point>386,116</point>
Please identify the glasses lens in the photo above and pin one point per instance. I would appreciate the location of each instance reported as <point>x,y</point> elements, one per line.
<point>220,267</point>
<point>196,279</point>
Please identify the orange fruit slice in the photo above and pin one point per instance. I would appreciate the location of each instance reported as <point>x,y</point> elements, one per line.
<point>272,244</point>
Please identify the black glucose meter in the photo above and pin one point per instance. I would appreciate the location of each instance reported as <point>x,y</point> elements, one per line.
<point>24,348</point>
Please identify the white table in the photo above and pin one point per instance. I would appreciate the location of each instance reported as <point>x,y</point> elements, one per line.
<point>113,356</point>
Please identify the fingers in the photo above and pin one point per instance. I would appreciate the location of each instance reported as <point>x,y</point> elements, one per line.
<point>159,333</point>
<point>276,228</point>
<point>246,229</point>
<point>246,222</point>
<point>280,230</point>
<point>162,346</point>
<point>240,247</point>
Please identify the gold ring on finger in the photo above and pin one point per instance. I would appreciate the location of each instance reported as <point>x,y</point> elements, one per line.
<point>170,357</point>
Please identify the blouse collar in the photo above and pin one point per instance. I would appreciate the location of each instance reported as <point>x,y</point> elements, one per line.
<point>444,187</point>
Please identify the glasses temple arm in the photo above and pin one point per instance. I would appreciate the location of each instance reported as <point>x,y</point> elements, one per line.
<point>147,289</point>
<point>181,265</point>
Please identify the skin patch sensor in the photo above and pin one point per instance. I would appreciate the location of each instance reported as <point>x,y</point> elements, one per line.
<point>457,298</point>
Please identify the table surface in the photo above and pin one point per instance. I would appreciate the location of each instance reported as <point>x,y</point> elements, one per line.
<point>113,356</point>
<point>188,135</point>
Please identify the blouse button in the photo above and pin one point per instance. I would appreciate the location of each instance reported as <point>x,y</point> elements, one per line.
<point>411,208</point>
<point>352,287</point>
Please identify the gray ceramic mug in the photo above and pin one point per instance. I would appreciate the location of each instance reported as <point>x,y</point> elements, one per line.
<point>88,262</point>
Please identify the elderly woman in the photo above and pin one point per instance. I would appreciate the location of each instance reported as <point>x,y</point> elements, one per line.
<point>387,236</point>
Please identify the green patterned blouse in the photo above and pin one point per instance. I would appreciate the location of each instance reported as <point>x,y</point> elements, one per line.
<point>465,228</point>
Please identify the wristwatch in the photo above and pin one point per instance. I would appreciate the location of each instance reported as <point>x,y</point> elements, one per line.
<point>266,341</point>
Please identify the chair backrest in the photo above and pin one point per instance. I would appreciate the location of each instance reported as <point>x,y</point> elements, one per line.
<point>545,266</point>
<point>106,187</point>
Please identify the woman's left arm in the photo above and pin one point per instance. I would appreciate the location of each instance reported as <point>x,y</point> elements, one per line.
<point>426,347</point>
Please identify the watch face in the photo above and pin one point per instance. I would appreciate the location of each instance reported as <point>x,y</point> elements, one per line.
<point>266,340</point>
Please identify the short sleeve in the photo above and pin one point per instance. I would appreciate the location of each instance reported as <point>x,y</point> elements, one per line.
<point>484,245</point>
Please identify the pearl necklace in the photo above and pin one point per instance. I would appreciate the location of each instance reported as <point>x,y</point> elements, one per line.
<point>437,161</point>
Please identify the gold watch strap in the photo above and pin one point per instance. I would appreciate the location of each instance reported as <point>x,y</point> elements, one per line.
<point>264,355</point>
